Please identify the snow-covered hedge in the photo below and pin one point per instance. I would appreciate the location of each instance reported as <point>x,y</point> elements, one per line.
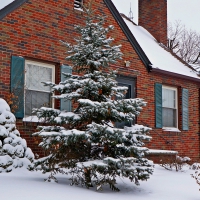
<point>13,149</point>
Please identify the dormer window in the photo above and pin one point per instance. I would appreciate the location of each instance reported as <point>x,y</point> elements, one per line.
<point>78,4</point>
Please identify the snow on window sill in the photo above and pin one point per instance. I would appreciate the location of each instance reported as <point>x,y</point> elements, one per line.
<point>79,9</point>
<point>171,129</point>
<point>32,119</point>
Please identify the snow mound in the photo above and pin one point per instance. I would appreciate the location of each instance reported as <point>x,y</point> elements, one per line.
<point>14,152</point>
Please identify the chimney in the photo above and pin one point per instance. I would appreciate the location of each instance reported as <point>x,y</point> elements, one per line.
<point>153,17</point>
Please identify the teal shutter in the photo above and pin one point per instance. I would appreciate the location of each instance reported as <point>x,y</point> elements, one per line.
<point>158,105</point>
<point>185,125</point>
<point>17,83</point>
<point>65,105</point>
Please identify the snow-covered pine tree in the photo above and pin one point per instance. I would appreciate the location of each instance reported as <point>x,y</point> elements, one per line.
<point>14,152</point>
<point>85,141</point>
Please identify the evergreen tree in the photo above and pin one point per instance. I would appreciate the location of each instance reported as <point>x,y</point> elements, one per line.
<point>13,149</point>
<point>85,142</point>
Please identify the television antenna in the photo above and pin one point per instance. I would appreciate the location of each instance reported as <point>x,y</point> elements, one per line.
<point>130,15</point>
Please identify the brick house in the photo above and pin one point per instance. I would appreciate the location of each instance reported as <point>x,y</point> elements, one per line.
<point>30,51</point>
<point>169,85</point>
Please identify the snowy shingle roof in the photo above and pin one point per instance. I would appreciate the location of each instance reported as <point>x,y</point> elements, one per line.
<point>158,56</point>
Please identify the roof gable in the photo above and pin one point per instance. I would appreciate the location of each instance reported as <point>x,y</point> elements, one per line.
<point>133,34</point>
<point>158,55</point>
<point>17,3</point>
<point>11,7</point>
<point>154,56</point>
<point>128,34</point>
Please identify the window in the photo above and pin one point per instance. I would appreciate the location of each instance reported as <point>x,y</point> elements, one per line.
<point>78,4</point>
<point>36,94</point>
<point>26,78</point>
<point>166,107</point>
<point>130,84</point>
<point>169,106</point>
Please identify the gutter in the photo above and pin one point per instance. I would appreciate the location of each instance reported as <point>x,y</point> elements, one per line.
<point>176,75</point>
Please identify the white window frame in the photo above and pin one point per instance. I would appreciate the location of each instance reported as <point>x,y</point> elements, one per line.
<point>176,104</point>
<point>81,3</point>
<point>43,65</point>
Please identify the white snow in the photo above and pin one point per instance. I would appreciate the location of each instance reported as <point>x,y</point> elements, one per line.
<point>6,159</point>
<point>31,119</point>
<point>162,185</point>
<point>89,163</point>
<point>12,146</point>
<point>171,129</point>
<point>158,56</point>
<point>80,9</point>
<point>4,3</point>
<point>69,114</point>
<point>158,151</point>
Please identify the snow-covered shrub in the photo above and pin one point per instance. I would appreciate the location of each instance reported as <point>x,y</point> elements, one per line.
<point>195,166</point>
<point>196,175</point>
<point>13,149</point>
<point>176,162</point>
<point>85,142</point>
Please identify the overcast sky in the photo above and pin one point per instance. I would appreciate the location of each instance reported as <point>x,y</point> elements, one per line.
<point>5,2</point>
<point>188,11</point>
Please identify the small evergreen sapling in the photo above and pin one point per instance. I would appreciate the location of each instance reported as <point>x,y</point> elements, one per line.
<point>85,142</point>
<point>14,152</point>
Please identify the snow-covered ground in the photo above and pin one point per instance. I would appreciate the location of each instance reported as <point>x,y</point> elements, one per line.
<point>163,185</point>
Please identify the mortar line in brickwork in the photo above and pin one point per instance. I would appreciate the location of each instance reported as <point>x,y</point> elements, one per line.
<point>166,141</point>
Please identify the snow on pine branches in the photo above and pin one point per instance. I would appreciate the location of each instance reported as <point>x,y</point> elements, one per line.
<point>14,152</point>
<point>93,50</point>
<point>85,142</point>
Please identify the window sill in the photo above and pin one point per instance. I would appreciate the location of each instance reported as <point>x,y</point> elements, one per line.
<point>79,9</point>
<point>31,119</point>
<point>171,129</point>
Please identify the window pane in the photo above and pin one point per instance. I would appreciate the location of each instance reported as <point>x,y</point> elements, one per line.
<point>35,99</point>
<point>169,98</point>
<point>169,110</point>
<point>169,117</point>
<point>36,74</point>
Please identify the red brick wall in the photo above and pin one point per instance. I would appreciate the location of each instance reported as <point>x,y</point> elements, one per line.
<point>185,142</point>
<point>153,17</point>
<point>26,130</point>
<point>34,31</point>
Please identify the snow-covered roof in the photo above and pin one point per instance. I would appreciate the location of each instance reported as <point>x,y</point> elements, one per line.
<point>4,3</point>
<point>158,56</point>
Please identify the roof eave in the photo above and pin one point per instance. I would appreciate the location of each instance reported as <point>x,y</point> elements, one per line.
<point>129,34</point>
<point>176,75</point>
<point>10,7</point>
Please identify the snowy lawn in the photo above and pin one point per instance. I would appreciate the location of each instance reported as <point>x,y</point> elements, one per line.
<point>163,185</point>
